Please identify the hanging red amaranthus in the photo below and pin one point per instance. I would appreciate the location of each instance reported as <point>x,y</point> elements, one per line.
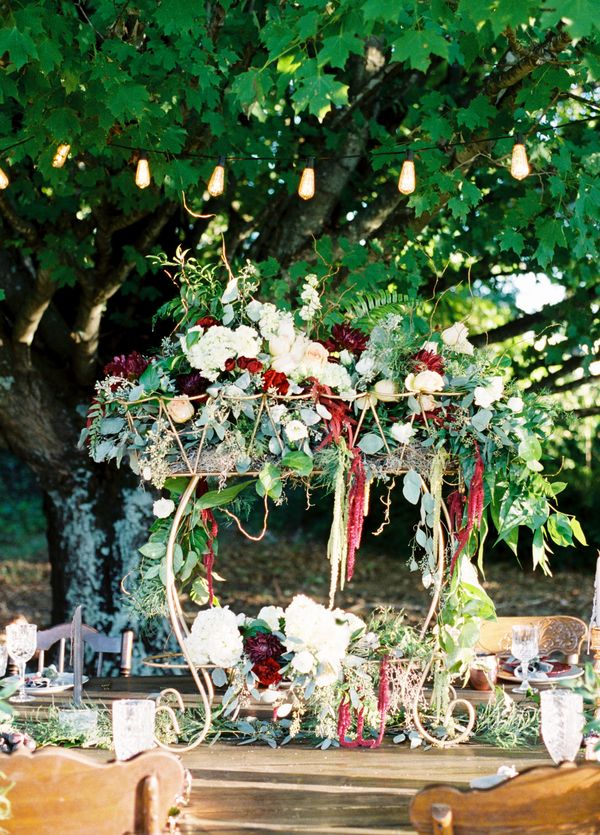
<point>211,529</point>
<point>356,509</point>
<point>341,423</point>
<point>383,704</point>
<point>474,506</point>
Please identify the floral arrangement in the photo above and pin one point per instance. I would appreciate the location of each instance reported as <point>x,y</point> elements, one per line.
<point>319,664</point>
<point>244,388</point>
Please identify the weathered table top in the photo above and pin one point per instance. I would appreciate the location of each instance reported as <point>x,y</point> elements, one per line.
<point>298,789</point>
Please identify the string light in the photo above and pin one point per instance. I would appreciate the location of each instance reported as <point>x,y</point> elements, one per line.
<point>60,157</point>
<point>306,186</point>
<point>519,165</point>
<point>216,184</point>
<point>407,181</point>
<point>4,181</point>
<point>142,172</point>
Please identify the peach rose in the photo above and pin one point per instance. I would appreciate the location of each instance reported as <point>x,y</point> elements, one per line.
<point>180,409</point>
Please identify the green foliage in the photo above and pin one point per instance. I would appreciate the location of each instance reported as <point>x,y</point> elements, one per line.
<point>507,724</point>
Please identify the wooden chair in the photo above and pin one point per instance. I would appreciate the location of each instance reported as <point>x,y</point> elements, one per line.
<point>547,800</point>
<point>63,792</point>
<point>558,633</point>
<point>102,644</point>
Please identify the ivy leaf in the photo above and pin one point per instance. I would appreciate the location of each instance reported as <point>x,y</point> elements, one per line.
<point>481,419</point>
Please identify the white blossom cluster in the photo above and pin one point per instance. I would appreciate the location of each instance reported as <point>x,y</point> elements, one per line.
<point>319,638</point>
<point>218,344</point>
<point>310,298</point>
<point>215,638</point>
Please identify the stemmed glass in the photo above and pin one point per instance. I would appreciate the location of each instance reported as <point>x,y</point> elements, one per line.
<point>525,647</point>
<point>21,643</point>
<point>562,723</point>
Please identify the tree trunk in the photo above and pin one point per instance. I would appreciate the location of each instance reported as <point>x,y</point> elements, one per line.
<point>97,515</point>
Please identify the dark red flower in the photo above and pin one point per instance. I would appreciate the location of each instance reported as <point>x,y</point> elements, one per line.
<point>192,384</point>
<point>254,366</point>
<point>130,367</point>
<point>251,365</point>
<point>263,645</point>
<point>428,361</point>
<point>207,322</point>
<point>267,672</point>
<point>344,337</point>
<point>229,364</point>
<point>275,380</point>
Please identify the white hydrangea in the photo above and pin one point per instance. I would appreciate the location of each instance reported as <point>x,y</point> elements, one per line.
<point>335,376</point>
<point>215,638</point>
<point>218,344</point>
<point>317,636</point>
<point>272,320</point>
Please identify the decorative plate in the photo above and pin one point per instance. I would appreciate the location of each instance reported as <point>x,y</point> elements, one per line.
<point>35,683</point>
<point>558,672</point>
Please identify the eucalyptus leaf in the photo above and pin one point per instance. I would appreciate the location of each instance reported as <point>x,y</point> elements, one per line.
<point>371,443</point>
<point>411,487</point>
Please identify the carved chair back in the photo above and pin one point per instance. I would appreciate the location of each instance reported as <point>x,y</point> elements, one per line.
<point>558,633</point>
<point>547,800</point>
<point>63,791</point>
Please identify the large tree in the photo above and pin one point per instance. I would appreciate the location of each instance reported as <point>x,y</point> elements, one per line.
<point>351,82</point>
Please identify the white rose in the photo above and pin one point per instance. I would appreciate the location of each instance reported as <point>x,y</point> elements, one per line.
<point>515,404</point>
<point>303,661</point>
<point>386,390</point>
<point>432,347</point>
<point>425,382</point>
<point>163,508</point>
<point>271,616</point>
<point>365,366</point>
<point>456,337</point>
<point>296,430</point>
<point>428,403</point>
<point>345,357</point>
<point>402,432</point>
<point>180,409</point>
<point>486,395</point>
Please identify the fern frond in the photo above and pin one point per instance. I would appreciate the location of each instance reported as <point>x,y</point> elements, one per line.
<point>371,308</point>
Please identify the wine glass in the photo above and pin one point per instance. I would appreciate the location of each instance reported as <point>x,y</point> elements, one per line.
<point>525,647</point>
<point>562,723</point>
<point>3,660</point>
<point>21,643</point>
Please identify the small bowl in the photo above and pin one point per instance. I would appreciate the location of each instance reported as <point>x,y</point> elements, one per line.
<point>484,672</point>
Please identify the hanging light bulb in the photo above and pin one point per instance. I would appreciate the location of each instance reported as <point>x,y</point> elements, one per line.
<point>142,172</point>
<point>306,186</point>
<point>4,181</point>
<point>60,157</point>
<point>407,181</point>
<point>519,165</point>
<point>216,184</point>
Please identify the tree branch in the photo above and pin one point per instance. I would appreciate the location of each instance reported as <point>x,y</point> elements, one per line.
<point>541,53</point>
<point>34,306</point>
<point>19,224</point>
<point>86,332</point>
<point>569,365</point>
<point>550,312</point>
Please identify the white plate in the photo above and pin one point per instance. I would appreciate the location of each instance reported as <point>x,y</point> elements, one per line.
<point>63,682</point>
<point>542,678</point>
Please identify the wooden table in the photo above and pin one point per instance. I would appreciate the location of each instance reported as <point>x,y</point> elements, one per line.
<point>297,789</point>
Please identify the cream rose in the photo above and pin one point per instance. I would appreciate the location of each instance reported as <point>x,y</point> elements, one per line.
<point>456,337</point>
<point>515,404</point>
<point>162,508</point>
<point>425,382</point>
<point>180,409</point>
<point>315,357</point>
<point>402,432</point>
<point>386,390</point>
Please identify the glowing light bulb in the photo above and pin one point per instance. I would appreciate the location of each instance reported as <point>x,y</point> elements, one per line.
<point>216,184</point>
<point>142,172</point>
<point>519,164</point>
<point>306,186</point>
<point>4,181</point>
<point>407,182</point>
<point>60,157</point>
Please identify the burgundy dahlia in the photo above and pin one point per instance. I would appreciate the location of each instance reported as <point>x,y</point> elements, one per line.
<point>130,367</point>
<point>348,338</point>
<point>428,361</point>
<point>263,645</point>
<point>192,384</point>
